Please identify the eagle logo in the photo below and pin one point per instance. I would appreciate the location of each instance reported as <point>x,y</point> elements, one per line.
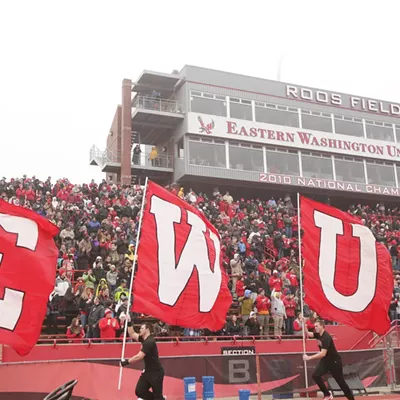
<point>206,128</point>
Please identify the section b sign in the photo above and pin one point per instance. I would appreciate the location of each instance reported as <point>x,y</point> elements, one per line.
<point>239,365</point>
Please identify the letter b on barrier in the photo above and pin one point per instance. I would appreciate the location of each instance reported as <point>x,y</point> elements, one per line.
<point>239,371</point>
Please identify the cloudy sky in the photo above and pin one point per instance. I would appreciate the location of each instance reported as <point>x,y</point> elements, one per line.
<point>62,63</point>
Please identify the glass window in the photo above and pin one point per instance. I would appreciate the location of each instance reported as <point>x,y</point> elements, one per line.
<point>380,174</point>
<point>349,171</point>
<point>208,106</point>
<point>317,167</point>
<point>241,111</point>
<point>378,132</point>
<point>316,123</point>
<point>350,128</point>
<point>398,176</point>
<point>282,163</point>
<point>397,127</point>
<point>181,152</point>
<point>245,158</point>
<point>209,154</point>
<point>277,117</point>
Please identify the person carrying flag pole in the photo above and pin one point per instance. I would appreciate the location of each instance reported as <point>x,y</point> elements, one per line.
<point>330,361</point>
<point>153,375</point>
<point>123,361</point>
<point>347,278</point>
<point>174,239</point>
<point>301,288</point>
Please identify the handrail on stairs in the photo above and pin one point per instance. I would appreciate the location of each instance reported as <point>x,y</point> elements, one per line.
<point>376,340</point>
<point>360,340</point>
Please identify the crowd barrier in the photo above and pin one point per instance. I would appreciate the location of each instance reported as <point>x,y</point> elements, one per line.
<point>281,375</point>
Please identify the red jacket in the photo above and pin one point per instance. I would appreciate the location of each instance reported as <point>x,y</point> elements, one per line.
<point>297,325</point>
<point>261,269</point>
<point>30,195</point>
<point>20,192</point>
<point>263,304</point>
<point>290,306</point>
<point>275,283</point>
<point>240,288</point>
<point>293,279</point>
<point>108,326</point>
<point>77,337</point>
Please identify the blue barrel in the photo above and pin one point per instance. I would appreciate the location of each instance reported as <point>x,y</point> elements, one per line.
<point>190,388</point>
<point>244,394</point>
<point>208,388</point>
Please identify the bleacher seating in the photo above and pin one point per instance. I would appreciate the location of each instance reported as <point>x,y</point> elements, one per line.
<point>98,225</point>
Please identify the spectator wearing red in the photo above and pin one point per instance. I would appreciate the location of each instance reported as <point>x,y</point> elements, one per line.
<point>108,325</point>
<point>262,270</point>
<point>75,331</point>
<point>30,195</point>
<point>240,287</point>
<point>298,325</point>
<point>294,283</point>
<point>275,283</point>
<point>263,305</point>
<point>290,306</point>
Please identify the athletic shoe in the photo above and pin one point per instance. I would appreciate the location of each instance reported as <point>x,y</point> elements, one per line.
<point>329,397</point>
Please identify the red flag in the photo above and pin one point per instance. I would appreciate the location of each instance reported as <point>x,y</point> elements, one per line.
<point>180,279</point>
<point>347,275</point>
<point>28,259</point>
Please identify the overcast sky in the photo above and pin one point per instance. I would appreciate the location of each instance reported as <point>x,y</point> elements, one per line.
<point>62,63</point>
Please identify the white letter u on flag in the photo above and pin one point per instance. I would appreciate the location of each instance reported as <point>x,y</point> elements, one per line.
<point>331,227</point>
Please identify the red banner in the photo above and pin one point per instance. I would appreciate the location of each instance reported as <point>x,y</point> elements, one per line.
<point>180,279</point>
<point>347,275</point>
<point>28,259</point>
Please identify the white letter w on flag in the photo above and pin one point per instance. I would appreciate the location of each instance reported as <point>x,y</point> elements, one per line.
<point>173,276</point>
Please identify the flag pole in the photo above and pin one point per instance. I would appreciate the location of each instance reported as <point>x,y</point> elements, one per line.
<point>131,283</point>
<point>301,286</point>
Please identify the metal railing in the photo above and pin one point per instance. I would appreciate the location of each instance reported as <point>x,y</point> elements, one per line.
<point>152,103</point>
<point>112,157</point>
<point>97,155</point>
<point>376,340</point>
<point>103,156</point>
<point>146,160</point>
<point>63,339</point>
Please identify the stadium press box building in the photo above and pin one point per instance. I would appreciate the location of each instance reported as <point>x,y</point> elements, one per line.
<point>230,130</point>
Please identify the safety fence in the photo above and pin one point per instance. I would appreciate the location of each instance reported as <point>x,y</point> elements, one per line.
<point>282,375</point>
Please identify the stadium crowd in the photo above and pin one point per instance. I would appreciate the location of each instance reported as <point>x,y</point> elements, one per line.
<point>98,226</point>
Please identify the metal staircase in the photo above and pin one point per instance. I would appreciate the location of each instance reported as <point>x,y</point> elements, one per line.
<point>97,157</point>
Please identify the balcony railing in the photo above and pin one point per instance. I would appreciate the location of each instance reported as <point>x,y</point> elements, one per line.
<point>145,160</point>
<point>155,104</point>
<point>112,157</point>
<point>103,157</point>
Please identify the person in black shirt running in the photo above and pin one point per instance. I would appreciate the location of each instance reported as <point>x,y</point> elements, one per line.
<point>330,361</point>
<point>153,374</point>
